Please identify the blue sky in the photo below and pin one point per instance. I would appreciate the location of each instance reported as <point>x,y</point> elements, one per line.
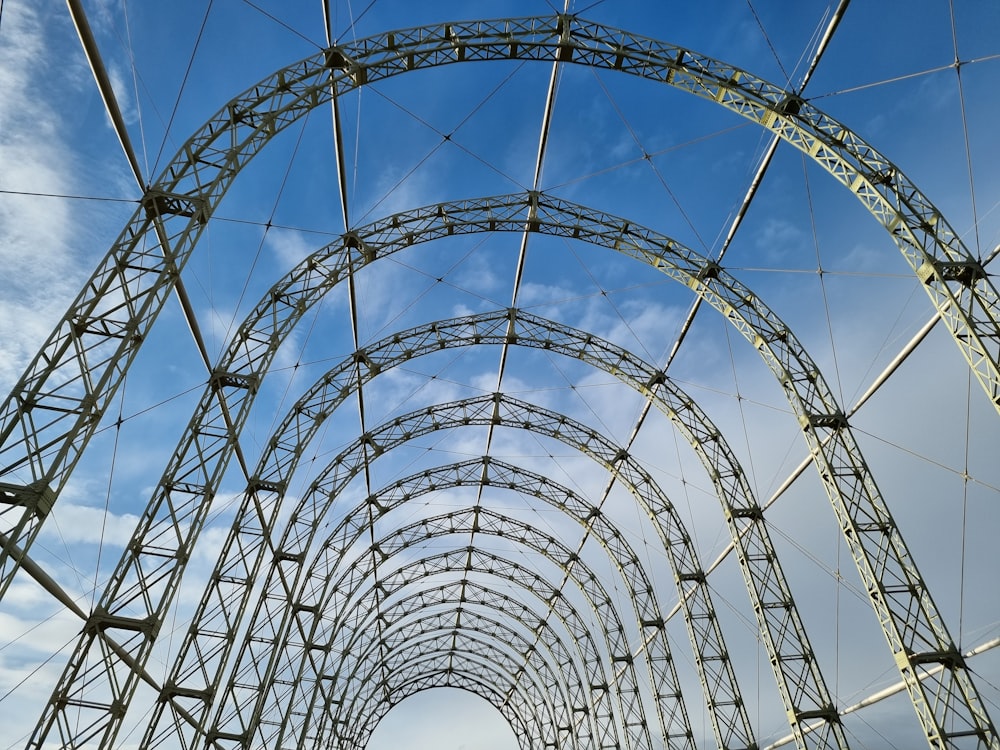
<point>659,157</point>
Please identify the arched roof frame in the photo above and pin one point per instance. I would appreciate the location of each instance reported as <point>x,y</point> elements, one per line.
<point>329,602</point>
<point>722,697</point>
<point>405,626</point>
<point>785,638</point>
<point>480,634</point>
<point>475,595</point>
<point>461,680</point>
<point>797,670</point>
<point>543,686</point>
<point>903,606</point>
<point>493,663</point>
<point>497,577</point>
<point>57,403</point>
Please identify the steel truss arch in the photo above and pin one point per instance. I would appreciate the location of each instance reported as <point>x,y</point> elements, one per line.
<point>337,597</point>
<point>512,575</point>
<point>903,606</point>
<point>56,405</point>
<point>429,665</point>
<point>773,601</point>
<point>544,690</point>
<point>327,604</point>
<point>461,680</point>
<point>496,599</point>
<point>796,669</point>
<point>481,636</point>
<point>721,691</point>
<point>475,595</point>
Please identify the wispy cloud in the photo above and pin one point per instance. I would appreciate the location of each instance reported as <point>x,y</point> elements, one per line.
<point>39,273</point>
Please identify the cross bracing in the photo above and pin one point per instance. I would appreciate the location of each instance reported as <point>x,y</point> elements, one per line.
<point>101,335</point>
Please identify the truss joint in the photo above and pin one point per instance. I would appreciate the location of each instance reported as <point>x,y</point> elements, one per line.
<point>835,420</point>
<point>950,658</point>
<point>256,484</point>
<point>173,690</point>
<point>826,713</point>
<point>101,620</point>
<point>37,496</point>
<point>966,272</point>
<point>159,203</point>
<point>221,379</point>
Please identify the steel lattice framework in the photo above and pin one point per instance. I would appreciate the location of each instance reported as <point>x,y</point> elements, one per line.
<point>281,686</point>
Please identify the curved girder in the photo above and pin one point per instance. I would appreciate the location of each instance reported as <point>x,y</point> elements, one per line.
<point>510,575</point>
<point>492,664</point>
<point>480,636</point>
<point>329,603</point>
<point>543,687</point>
<point>784,636</point>
<point>475,595</point>
<point>908,616</point>
<point>460,680</point>
<point>405,627</point>
<point>56,405</point>
<point>500,474</point>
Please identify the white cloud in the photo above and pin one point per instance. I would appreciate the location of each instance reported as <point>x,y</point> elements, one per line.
<point>39,275</point>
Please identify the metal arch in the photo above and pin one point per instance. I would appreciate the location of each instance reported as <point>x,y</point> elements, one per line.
<point>410,626</point>
<point>431,660</point>
<point>56,405</point>
<point>398,630</point>
<point>491,665</point>
<point>796,669</point>
<point>335,597</point>
<point>503,475</point>
<point>461,681</point>
<point>535,587</point>
<point>511,572</point>
<point>460,474</point>
<point>544,689</point>
<point>483,635</point>
<point>345,598</point>
<point>902,605</point>
<point>481,595</point>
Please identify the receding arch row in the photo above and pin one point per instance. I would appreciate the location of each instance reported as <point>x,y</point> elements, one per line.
<point>502,575</point>
<point>479,633</point>
<point>92,347</point>
<point>437,654</point>
<point>772,601</point>
<point>544,686</point>
<point>345,596</point>
<point>722,695</point>
<point>474,683</point>
<point>490,664</point>
<point>903,607</point>
<point>486,410</point>
<point>355,591</point>
<point>496,597</point>
<point>411,617</point>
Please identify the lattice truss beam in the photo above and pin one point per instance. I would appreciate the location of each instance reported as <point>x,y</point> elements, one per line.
<point>55,408</point>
